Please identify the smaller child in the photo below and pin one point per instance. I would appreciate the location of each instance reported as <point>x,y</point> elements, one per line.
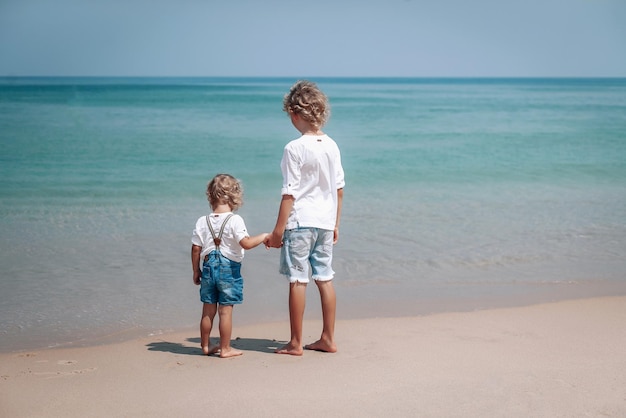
<point>218,244</point>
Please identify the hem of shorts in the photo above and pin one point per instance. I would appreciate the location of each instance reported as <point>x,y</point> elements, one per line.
<point>297,279</point>
<point>223,304</point>
<point>307,280</point>
<point>323,279</point>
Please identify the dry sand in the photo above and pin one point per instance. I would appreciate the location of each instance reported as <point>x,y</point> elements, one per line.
<point>564,359</point>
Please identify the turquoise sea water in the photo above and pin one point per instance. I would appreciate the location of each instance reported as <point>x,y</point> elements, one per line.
<point>461,194</point>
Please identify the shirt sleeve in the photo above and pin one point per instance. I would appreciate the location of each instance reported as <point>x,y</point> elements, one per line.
<point>197,236</point>
<point>239,228</point>
<point>339,174</point>
<point>290,168</point>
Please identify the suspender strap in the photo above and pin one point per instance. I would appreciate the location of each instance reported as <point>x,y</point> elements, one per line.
<point>217,239</point>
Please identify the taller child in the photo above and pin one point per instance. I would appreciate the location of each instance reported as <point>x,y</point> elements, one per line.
<point>310,209</point>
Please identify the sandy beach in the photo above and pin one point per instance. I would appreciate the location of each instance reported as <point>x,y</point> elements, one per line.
<point>562,359</point>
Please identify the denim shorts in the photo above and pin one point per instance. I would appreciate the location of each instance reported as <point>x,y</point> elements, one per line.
<point>307,251</point>
<point>221,280</point>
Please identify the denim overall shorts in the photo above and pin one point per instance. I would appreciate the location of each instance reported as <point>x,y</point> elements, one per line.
<point>221,280</point>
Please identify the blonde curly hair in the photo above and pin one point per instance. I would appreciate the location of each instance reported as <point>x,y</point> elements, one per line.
<point>225,189</point>
<point>307,101</point>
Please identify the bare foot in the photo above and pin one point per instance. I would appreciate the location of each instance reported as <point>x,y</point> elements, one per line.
<point>321,345</point>
<point>230,352</point>
<point>207,351</point>
<point>289,349</point>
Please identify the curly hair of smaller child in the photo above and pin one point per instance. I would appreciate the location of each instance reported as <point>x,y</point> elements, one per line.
<point>225,189</point>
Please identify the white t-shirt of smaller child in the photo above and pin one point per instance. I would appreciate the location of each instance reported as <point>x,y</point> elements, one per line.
<point>234,231</point>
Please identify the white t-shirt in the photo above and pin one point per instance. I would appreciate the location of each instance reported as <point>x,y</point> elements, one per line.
<point>234,232</point>
<point>312,173</point>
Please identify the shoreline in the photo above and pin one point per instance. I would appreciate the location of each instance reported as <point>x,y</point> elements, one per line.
<point>354,304</point>
<point>551,359</point>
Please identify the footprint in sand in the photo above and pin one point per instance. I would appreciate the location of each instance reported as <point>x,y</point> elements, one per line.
<point>50,375</point>
<point>66,362</point>
<point>27,355</point>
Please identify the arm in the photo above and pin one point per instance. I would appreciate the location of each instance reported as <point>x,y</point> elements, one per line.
<point>339,204</point>
<point>195,263</point>
<point>249,243</point>
<point>275,239</point>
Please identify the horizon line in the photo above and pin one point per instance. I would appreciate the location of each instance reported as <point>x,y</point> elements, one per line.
<point>312,76</point>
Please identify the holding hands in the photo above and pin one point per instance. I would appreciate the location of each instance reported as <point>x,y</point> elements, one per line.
<point>273,240</point>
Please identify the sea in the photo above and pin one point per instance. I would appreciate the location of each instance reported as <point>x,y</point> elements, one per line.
<point>461,194</point>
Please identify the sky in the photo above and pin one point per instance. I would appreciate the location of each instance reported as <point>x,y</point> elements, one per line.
<point>315,38</point>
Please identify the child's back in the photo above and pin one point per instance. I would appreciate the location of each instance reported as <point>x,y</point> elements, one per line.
<point>218,244</point>
<point>310,210</point>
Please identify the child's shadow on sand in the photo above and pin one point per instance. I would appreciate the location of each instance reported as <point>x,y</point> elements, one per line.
<point>243,344</point>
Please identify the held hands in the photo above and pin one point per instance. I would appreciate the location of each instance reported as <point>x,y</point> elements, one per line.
<point>273,240</point>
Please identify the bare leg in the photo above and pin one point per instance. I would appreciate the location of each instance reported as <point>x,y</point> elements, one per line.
<point>297,302</point>
<point>206,324</point>
<point>226,329</point>
<point>329,306</point>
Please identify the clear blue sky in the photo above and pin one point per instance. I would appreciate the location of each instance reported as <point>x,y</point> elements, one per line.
<point>437,38</point>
